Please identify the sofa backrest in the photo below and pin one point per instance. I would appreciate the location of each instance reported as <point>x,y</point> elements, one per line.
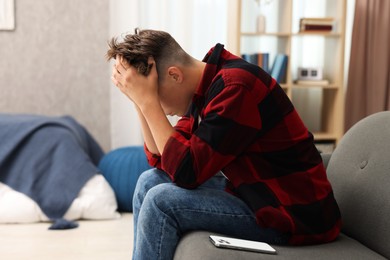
<point>359,171</point>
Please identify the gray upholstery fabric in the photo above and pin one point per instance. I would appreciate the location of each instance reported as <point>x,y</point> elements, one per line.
<point>359,170</point>
<point>196,246</point>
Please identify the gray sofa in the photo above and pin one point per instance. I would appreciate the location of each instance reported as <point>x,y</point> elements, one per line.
<point>359,170</point>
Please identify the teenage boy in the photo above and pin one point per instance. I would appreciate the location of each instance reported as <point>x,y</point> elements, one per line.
<point>239,162</point>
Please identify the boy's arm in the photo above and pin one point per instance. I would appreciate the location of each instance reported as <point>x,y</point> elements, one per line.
<point>147,134</point>
<point>160,128</point>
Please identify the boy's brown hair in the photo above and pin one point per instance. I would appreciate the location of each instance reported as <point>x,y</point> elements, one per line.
<point>138,47</point>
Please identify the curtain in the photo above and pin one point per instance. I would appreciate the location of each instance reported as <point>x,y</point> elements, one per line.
<point>197,25</point>
<point>368,89</point>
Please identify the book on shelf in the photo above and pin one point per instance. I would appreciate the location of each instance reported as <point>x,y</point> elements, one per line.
<point>260,59</point>
<point>316,24</point>
<point>311,27</point>
<point>279,68</point>
<point>322,82</point>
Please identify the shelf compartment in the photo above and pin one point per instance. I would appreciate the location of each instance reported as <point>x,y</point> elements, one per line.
<point>318,9</point>
<point>315,50</point>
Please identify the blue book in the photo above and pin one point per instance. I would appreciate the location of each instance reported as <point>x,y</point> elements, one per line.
<point>260,59</point>
<point>265,61</point>
<point>253,58</point>
<point>279,68</point>
<point>245,57</point>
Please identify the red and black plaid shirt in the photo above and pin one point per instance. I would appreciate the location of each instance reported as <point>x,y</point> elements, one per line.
<point>250,131</point>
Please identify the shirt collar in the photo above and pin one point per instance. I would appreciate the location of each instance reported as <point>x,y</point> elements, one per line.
<point>212,60</point>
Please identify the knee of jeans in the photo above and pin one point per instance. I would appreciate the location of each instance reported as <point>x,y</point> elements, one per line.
<point>146,176</point>
<point>148,180</point>
<point>142,184</point>
<point>161,196</point>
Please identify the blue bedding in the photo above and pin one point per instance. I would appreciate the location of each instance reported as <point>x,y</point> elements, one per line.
<point>47,158</point>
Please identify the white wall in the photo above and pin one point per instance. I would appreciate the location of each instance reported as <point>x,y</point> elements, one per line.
<point>125,129</point>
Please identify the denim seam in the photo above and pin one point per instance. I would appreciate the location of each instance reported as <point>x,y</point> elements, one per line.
<point>162,226</point>
<point>214,212</point>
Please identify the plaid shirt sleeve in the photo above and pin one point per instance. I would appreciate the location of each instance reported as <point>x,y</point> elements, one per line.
<point>183,126</point>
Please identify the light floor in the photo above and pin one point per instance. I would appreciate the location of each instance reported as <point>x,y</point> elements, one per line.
<point>92,240</point>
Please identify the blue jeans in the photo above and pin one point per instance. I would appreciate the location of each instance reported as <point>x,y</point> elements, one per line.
<point>163,212</point>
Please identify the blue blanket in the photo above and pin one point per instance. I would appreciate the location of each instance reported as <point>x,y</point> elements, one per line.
<point>47,158</point>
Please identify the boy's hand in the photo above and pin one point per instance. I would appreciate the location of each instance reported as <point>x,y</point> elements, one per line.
<point>142,90</point>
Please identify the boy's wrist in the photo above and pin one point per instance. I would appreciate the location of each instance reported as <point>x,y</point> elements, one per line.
<point>149,105</point>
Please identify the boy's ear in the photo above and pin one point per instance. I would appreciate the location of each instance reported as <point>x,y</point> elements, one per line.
<point>175,74</point>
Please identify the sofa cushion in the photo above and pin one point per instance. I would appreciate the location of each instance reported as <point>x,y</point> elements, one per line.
<point>196,246</point>
<point>359,171</point>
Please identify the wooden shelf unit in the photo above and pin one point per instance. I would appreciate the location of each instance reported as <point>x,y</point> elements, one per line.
<point>304,49</point>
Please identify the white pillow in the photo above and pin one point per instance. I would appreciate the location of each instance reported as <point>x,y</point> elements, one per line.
<point>96,200</point>
<point>15,207</point>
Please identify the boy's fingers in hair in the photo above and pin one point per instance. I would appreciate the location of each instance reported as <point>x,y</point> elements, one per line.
<point>114,70</point>
<point>116,83</point>
<point>152,65</point>
<point>115,73</point>
<point>151,60</point>
<point>118,65</point>
<point>124,62</point>
<point>115,76</point>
